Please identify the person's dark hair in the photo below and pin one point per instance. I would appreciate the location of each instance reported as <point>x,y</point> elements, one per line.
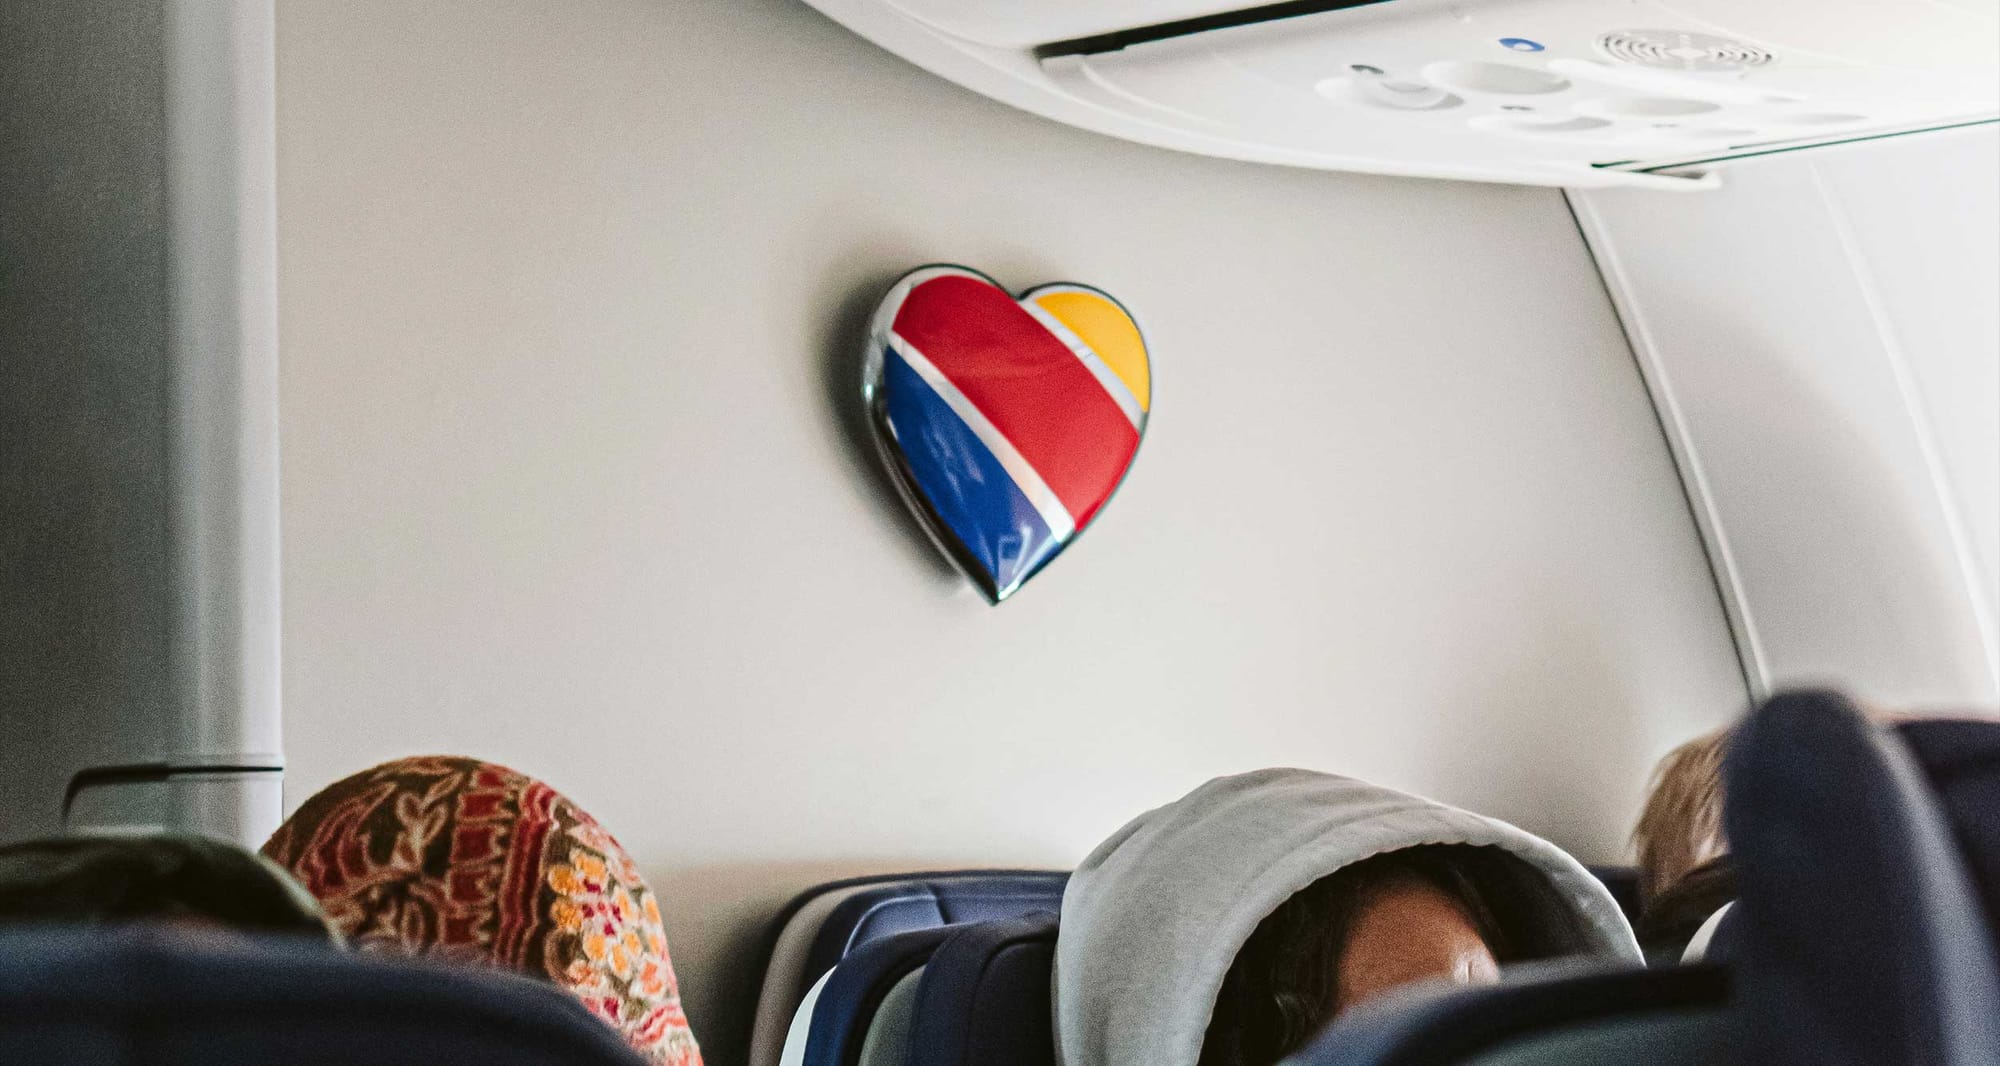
<point>1281,989</point>
<point>105,880</point>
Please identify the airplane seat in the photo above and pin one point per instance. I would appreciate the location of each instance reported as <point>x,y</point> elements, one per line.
<point>860,1012</point>
<point>825,924</point>
<point>1567,1015</point>
<point>1860,936</point>
<point>165,997</point>
<point>1961,759</point>
<point>985,997</point>
<point>1725,942</point>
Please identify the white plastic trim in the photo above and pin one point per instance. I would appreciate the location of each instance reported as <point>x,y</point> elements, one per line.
<point>222,202</point>
<point>1015,77</point>
<point>1235,91</point>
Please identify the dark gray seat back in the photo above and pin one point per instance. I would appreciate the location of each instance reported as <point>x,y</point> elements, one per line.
<point>81,997</point>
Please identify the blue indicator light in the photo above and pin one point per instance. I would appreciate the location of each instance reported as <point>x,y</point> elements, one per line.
<point>1521,44</point>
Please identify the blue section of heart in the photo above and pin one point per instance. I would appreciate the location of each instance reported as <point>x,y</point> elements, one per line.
<point>966,487</point>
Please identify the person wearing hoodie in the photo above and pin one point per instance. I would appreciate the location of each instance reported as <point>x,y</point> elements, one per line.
<point>1228,927</point>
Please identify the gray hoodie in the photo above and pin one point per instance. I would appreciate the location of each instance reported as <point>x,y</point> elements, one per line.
<point>1153,918</point>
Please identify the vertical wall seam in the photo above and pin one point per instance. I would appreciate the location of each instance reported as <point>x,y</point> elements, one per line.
<point>1672,423</point>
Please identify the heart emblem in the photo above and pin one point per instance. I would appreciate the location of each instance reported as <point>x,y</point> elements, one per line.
<point>1007,423</point>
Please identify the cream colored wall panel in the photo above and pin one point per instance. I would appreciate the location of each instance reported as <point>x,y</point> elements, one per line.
<point>576,479</point>
<point>1821,333</point>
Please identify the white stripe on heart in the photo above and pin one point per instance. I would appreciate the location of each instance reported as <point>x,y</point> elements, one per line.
<point>1053,513</point>
<point>1114,386</point>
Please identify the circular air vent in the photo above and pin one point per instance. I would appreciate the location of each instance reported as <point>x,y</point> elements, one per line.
<point>1674,50</point>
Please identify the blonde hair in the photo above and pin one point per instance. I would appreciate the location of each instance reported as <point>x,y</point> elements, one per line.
<point>1681,825</point>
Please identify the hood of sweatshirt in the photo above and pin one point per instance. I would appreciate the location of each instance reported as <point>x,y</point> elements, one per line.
<point>1154,917</point>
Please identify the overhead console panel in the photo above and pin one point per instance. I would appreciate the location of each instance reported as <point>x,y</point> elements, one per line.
<point>1033,23</point>
<point>1546,92</point>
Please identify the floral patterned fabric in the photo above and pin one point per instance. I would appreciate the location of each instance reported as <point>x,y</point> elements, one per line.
<point>456,858</point>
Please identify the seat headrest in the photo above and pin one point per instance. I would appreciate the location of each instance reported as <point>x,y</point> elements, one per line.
<point>825,924</point>
<point>902,904</point>
<point>1859,940</point>
<point>847,1003</point>
<point>985,997</point>
<point>1961,758</point>
<point>71,997</point>
<point>1559,1015</point>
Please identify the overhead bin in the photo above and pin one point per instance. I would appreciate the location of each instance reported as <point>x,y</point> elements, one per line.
<point>1548,92</point>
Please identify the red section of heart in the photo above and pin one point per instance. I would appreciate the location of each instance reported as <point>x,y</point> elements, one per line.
<point>1033,389</point>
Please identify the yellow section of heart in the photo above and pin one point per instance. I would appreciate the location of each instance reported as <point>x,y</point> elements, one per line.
<point>1110,332</point>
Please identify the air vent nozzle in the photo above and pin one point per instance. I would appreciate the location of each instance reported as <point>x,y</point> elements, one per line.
<point>1700,53</point>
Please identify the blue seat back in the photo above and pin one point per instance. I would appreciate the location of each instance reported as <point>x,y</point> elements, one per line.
<point>1859,938</point>
<point>846,1006</point>
<point>169,998</point>
<point>885,907</point>
<point>832,925</point>
<point>985,996</point>
<point>1562,1017</point>
<point>1961,759</point>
